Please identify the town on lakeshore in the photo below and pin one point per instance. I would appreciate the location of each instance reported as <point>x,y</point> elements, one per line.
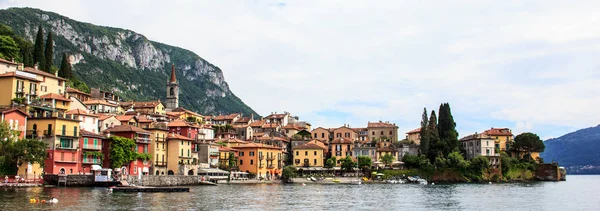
<point>99,134</point>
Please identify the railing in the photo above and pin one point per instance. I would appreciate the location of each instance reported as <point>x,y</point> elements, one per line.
<point>70,133</point>
<point>20,90</point>
<point>65,161</point>
<point>160,139</point>
<point>59,146</point>
<point>49,115</point>
<point>160,163</point>
<point>212,154</point>
<point>270,157</point>
<point>260,157</point>
<point>142,140</point>
<point>270,166</point>
<point>32,92</point>
<point>91,161</point>
<point>94,147</point>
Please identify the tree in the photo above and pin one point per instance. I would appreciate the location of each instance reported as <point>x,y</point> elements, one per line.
<point>288,173</point>
<point>435,145</point>
<point>8,48</point>
<point>14,152</point>
<point>447,130</point>
<point>121,151</point>
<point>364,161</point>
<point>387,159</point>
<point>66,72</point>
<point>347,164</point>
<point>330,163</point>
<point>49,53</point>
<point>232,160</point>
<point>528,142</point>
<point>38,49</point>
<point>424,147</point>
<point>27,54</point>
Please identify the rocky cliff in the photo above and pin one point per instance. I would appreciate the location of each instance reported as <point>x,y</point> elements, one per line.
<point>127,63</point>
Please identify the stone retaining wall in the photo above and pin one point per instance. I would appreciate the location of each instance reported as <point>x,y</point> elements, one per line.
<point>165,180</point>
<point>72,180</point>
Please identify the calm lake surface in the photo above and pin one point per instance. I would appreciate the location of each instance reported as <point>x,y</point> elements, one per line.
<point>578,193</point>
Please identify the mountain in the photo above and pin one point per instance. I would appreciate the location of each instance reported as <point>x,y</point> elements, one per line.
<point>128,64</point>
<point>577,151</point>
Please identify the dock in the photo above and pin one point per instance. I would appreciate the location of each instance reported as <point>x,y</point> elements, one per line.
<point>149,189</point>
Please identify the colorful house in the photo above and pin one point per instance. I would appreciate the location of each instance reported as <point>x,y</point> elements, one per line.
<point>503,137</point>
<point>310,154</point>
<point>142,140</point>
<point>158,147</point>
<point>181,160</point>
<point>341,148</point>
<point>90,144</point>
<point>263,160</point>
<point>414,136</point>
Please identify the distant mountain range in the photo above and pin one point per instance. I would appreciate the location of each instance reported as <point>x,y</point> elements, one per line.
<point>128,64</point>
<point>578,152</point>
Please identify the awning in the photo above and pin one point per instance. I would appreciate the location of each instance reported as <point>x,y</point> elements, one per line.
<point>145,169</point>
<point>96,167</point>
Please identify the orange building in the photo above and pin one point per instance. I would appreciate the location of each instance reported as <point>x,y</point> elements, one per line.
<point>341,148</point>
<point>263,160</point>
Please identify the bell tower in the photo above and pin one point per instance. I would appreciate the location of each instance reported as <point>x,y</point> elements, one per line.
<point>172,91</point>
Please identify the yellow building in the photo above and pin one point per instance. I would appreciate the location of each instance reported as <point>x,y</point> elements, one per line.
<point>50,83</point>
<point>179,154</point>
<point>158,148</point>
<point>152,107</point>
<point>341,148</point>
<point>310,154</point>
<point>18,84</point>
<point>503,137</point>
<point>384,151</point>
<point>414,136</point>
<point>263,160</point>
<point>321,134</point>
<point>224,154</point>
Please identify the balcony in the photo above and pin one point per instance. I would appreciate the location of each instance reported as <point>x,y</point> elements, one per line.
<point>67,133</point>
<point>39,114</point>
<point>144,140</point>
<point>157,139</point>
<point>92,147</point>
<point>91,161</point>
<point>33,92</point>
<point>270,166</point>
<point>59,160</point>
<point>261,157</point>
<point>160,163</point>
<point>20,90</point>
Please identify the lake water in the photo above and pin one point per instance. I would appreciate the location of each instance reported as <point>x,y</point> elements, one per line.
<point>578,193</point>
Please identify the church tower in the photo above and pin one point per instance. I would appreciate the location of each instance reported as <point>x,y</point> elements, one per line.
<point>172,91</point>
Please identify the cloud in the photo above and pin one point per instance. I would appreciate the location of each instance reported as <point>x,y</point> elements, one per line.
<point>525,65</point>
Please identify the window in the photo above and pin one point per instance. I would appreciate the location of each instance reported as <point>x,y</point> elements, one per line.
<point>75,131</point>
<point>315,135</point>
<point>297,153</point>
<point>241,154</point>
<point>391,133</point>
<point>305,153</point>
<point>251,162</point>
<point>315,162</point>
<point>315,152</point>
<point>487,143</point>
<point>347,135</point>
<point>322,135</point>
<point>85,141</point>
<point>181,142</point>
<point>64,130</point>
<point>297,161</point>
<point>181,152</point>
<point>251,153</point>
<point>373,133</point>
<point>241,162</point>
<point>381,132</point>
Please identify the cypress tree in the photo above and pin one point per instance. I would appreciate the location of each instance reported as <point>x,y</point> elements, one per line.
<point>434,140</point>
<point>48,53</point>
<point>424,145</point>
<point>65,68</point>
<point>27,55</point>
<point>447,130</point>
<point>38,49</point>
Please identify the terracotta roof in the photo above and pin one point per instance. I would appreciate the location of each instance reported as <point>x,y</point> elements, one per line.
<point>90,134</point>
<point>55,96</point>
<point>498,132</point>
<point>258,134</point>
<point>380,124</point>
<point>177,136</point>
<point>293,126</point>
<point>258,123</point>
<point>342,141</point>
<point>309,145</point>
<point>14,74</point>
<point>104,117</point>
<point>227,149</point>
<point>126,128</point>
<point>7,62</point>
<point>69,90</point>
<point>149,104</point>
<point>178,123</point>
<point>81,112</point>
<point>243,120</point>
<point>418,130</point>
<point>270,125</point>
<point>240,126</point>
<point>180,109</point>
<point>143,119</point>
<point>8,110</point>
<point>231,140</point>
<point>173,78</point>
<point>276,116</point>
<point>39,72</point>
<point>226,117</point>
<point>124,118</point>
<point>99,102</point>
<point>256,145</point>
<point>476,136</point>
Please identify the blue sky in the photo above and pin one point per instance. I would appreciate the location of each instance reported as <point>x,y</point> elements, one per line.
<point>527,65</point>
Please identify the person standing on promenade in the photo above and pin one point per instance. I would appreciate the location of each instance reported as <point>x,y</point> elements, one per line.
<point>6,179</point>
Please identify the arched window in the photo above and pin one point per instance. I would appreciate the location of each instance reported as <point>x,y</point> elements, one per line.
<point>172,91</point>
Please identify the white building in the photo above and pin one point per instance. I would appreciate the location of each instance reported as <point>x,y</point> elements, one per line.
<point>89,122</point>
<point>478,144</point>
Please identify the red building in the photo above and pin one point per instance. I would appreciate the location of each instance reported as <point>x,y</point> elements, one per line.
<point>186,129</point>
<point>142,140</point>
<point>91,147</point>
<point>16,119</point>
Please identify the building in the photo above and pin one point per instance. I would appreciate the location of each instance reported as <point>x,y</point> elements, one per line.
<point>345,132</point>
<point>208,155</point>
<point>87,122</point>
<point>16,120</point>
<point>321,134</point>
<point>127,120</point>
<point>478,144</point>
<point>82,96</point>
<point>363,135</point>
<point>49,83</point>
<point>279,119</point>
<point>172,101</point>
<point>150,107</point>
<point>90,144</point>
<point>262,160</point>
<point>182,113</point>
<point>310,154</point>
<point>8,66</point>
<point>414,136</point>
<point>341,148</point>
<point>103,106</point>
<point>142,140</point>
<point>18,85</point>
<point>407,149</point>
<point>107,121</point>
<point>503,137</point>
<point>382,131</point>
<point>184,128</point>
<point>243,132</point>
<point>158,147</point>
<point>98,94</point>
<point>385,151</point>
<point>181,160</point>
<point>365,150</point>
<point>225,153</point>
<point>226,119</point>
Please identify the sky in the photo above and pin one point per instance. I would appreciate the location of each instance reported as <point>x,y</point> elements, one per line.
<point>531,66</point>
